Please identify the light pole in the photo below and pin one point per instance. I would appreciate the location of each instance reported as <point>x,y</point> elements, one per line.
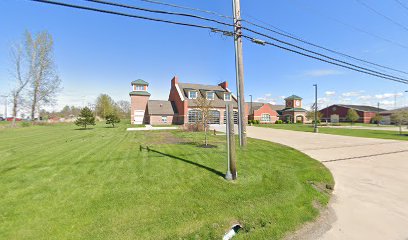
<point>316,130</point>
<point>251,112</point>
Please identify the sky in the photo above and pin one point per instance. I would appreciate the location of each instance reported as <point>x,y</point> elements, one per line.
<point>99,53</point>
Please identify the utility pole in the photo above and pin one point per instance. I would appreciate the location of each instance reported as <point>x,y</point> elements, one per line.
<point>239,68</point>
<point>316,130</point>
<point>232,158</point>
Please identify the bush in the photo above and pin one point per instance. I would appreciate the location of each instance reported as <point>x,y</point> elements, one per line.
<point>250,121</point>
<point>25,124</point>
<point>278,122</point>
<point>257,122</point>
<point>318,122</point>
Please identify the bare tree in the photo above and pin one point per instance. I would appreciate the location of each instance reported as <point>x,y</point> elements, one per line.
<point>400,118</point>
<point>20,76</point>
<point>44,80</point>
<point>204,105</point>
<point>124,108</point>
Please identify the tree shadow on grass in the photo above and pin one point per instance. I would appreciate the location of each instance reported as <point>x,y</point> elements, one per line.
<point>83,129</point>
<point>190,162</point>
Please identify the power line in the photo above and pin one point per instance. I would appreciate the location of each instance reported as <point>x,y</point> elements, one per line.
<point>159,11</point>
<point>123,14</point>
<point>291,36</point>
<point>187,8</point>
<point>319,54</point>
<point>355,28</point>
<point>366,71</point>
<point>401,4</point>
<point>382,15</point>
<point>282,33</point>
<point>327,61</point>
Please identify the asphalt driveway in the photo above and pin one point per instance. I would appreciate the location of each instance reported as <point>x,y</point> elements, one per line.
<point>371,193</point>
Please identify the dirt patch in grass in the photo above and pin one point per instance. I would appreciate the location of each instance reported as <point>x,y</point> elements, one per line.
<point>163,137</point>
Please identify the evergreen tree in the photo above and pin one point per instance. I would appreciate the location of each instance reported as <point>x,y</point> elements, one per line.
<point>112,118</point>
<point>85,118</point>
<point>352,115</point>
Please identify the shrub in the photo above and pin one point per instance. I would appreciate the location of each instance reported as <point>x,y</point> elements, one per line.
<point>250,121</point>
<point>85,118</point>
<point>257,122</point>
<point>25,124</point>
<point>318,122</point>
<point>278,122</point>
<point>112,118</point>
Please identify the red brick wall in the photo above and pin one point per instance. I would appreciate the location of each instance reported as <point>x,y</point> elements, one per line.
<point>180,105</point>
<point>157,120</point>
<point>266,109</point>
<point>365,117</point>
<point>137,103</point>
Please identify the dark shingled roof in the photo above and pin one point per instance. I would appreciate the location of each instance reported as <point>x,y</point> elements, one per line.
<point>160,107</point>
<point>293,97</point>
<point>140,82</point>
<point>218,101</point>
<point>294,110</point>
<point>362,108</point>
<point>139,93</point>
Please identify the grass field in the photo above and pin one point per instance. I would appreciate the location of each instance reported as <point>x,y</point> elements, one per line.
<point>57,182</point>
<point>383,134</point>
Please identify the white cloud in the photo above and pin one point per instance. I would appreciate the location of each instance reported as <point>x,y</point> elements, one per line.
<point>388,95</point>
<point>322,73</point>
<point>330,93</point>
<point>351,94</point>
<point>365,97</point>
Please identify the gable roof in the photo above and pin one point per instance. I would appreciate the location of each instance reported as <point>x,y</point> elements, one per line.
<point>258,105</point>
<point>160,107</point>
<point>201,89</point>
<point>140,82</point>
<point>293,97</point>
<point>362,108</point>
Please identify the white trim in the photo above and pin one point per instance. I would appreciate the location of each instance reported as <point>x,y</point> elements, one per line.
<point>206,95</point>
<point>179,92</point>
<point>190,91</point>
<point>233,95</point>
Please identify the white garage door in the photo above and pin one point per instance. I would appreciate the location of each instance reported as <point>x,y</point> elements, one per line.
<point>138,117</point>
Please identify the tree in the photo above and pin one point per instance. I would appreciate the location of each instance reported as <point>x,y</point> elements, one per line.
<point>85,118</point>
<point>352,115</point>
<point>44,80</point>
<point>104,105</point>
<point>310,115</point>
<point>123,109</point>
<point>204,105</point>
<point>400,118</point>
<point>21,78</point>
<point>377,119</point>
<point>112,118</point>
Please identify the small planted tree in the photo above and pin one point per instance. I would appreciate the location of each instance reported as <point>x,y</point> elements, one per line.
<point>352,116</point>
<point>377,119</point>
<point>85,118</point>
<point>400,118</point>
<point>310,115</point>
<point>204,105</point>
<point>112,118</point>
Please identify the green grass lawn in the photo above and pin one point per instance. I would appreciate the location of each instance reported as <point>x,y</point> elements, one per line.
<point>57,182</point>
<point>384,134</point>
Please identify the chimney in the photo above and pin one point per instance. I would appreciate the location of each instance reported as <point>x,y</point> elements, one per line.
<point>174,81</point>
<point>224,85</point>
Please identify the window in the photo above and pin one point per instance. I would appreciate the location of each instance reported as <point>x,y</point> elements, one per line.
<point>235,117</point>
<point>194,116</point>
<point>192,94</point>
<point>139,88</point>
<point>265,117</point>
<point>210,95</point>
<point>214,117</point>
<point>164,119</point>
<point>227,96</point>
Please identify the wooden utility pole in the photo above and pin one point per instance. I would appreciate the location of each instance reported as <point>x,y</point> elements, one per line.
<point>232,157</point>
<point>239,68</point>
<point>316,130</point>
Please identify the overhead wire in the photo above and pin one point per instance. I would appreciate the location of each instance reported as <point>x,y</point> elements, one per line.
<point>382,15</point>
<point>213,29</point>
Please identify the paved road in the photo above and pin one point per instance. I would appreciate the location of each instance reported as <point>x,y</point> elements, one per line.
<point>371,193</point>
